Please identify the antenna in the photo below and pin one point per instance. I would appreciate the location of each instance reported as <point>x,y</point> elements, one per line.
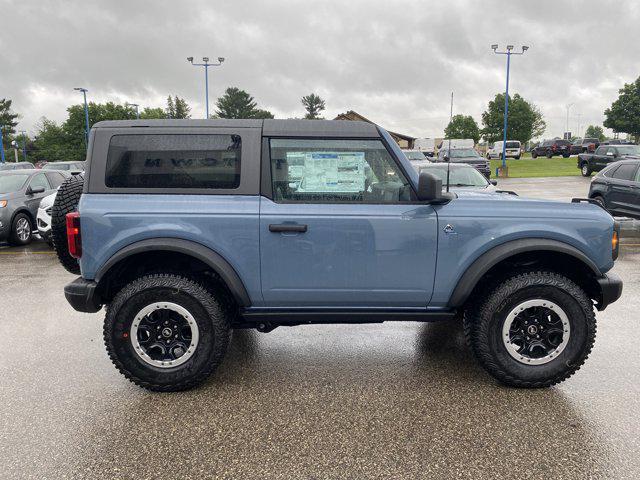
<point>449,147</point>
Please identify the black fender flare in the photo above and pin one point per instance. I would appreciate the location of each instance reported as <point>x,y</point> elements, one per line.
<point>490,258</point>
<point>196,250</point>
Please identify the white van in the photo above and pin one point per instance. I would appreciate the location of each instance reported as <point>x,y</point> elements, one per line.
<point>514,149</point>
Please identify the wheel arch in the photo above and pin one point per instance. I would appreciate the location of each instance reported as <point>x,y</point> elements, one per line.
<point>524,252</point>
<point>178,247</point>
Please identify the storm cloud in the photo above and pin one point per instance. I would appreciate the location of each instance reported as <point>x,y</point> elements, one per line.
<point>394,62</point>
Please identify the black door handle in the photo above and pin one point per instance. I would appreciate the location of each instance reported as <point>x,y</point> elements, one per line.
<point>287,227</point>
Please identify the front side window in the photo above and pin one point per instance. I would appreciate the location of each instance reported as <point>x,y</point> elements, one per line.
<point>174,161</point>
<point>40,180</point>
<point>335,171</point>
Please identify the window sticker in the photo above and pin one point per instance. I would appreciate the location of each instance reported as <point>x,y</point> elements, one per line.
<point>338,172</point>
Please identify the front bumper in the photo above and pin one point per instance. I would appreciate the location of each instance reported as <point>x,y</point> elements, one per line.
<point>610,290</point>
<point>83,296</point>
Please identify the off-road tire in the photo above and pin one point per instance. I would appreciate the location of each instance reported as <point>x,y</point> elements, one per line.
<point>66,201</point>
<point>14,239</point>
<point>484,319</point>
<point>209,313</point>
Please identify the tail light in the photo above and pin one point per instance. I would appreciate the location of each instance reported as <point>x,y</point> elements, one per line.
<point>74,239</point>
<point>554,147</point>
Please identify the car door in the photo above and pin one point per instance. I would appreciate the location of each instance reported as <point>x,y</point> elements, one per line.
<point>622,188</point>
<point>32,200</point>
<point>339,228</point>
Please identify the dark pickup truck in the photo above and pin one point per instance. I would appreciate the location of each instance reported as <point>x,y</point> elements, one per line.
<point>603,156</point>
<point>583,145</point>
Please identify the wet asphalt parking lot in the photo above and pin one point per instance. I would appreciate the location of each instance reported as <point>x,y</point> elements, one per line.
<point>391,400</point>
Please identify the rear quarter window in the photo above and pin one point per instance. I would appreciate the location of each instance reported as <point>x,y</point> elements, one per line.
<point>174,161</point>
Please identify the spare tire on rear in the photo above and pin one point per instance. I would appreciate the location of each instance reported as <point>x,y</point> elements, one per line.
<point>66,201</point>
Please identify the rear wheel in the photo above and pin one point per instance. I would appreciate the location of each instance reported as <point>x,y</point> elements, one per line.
<point>166,332</point>
<point>66,201</point>
<point>533,330</point>
<point>517,157</point>
<point>21,229</point>
<point>534,154</point>
<point>585,170</point>
<point>549,154</point>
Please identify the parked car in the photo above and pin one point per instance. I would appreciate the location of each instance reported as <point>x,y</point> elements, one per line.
<point>468,156</point>
<point>513,149</point>
<point>417,158</point>
<point>550,148</point>
<point>603,156</point>
<point>617,188</point>
<point>43,217</point>
<point>71,167</point>
<point>461,177</point>
<point>583,145</point>
<point>20,195</point>
<point>426,146</point>
<point>8,166</point>
<point>264,223</point>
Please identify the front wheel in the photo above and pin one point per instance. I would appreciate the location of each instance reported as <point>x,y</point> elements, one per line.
<point>534,154</point>
<point>166,332</point>
<point>549,154</point>
<point>533,330</point>
<point>21,229</point>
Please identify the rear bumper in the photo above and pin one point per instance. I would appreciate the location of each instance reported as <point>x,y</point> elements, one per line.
<point>83,296</point>
<point>610,290</point>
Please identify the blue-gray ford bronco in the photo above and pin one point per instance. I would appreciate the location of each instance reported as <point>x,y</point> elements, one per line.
<point>187,229</point>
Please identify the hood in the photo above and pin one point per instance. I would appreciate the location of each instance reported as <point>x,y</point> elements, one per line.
<point>47,201</point>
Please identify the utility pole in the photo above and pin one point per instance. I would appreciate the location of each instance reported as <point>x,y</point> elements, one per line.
<point>206,66</point>
<point>566,135</point>
<point>508,53</point>
<point>86,115</point>
<point>24,144</point>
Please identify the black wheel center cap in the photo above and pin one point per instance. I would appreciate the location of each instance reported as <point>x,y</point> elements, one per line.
<point>532,329</point>
<point>166,332</point>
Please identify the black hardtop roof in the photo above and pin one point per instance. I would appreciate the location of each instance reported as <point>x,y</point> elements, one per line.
<point>328,128</point>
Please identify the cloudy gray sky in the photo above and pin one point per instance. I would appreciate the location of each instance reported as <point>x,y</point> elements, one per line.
<point>395,62</point>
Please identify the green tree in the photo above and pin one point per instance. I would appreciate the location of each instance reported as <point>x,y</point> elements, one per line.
<point>313,104</point>
<point>236,103</point>
<point>594,131</point>
<point>525,120</point>
<point>152,113</point>
<point>51,143</point>
<point>463,126</point>
<point>177,108</point>
<point>624,114</point>
<point>8,122</point>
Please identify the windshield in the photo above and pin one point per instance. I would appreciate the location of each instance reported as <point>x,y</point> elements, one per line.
<point>54,166</point>
<point>414,155</point>
<point>459,177</point>
<point>628,150</point>
<point>12,183</point>
<point>462,153</point>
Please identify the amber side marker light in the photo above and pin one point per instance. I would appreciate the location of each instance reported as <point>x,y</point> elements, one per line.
<point>614,244</point>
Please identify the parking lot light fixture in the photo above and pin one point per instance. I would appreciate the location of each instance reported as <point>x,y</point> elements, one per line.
<point>206,66</point>
<point>86,115</point>
<point>137,111</point>
<point>508,52</point>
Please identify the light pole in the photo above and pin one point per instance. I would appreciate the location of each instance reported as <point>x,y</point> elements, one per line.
<point>24,144</point>
<point>86,115</point>
<point>206,66</point>
<point>508,53</point>
<point>566,135</point>
<point>2,159</point>
<point>137,112</point>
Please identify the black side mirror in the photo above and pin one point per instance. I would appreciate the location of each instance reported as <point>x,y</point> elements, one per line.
<point>494,182</point>
<point>35,190</point>
<point>429,187</point>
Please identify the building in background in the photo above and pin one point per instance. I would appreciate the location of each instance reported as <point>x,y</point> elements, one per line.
<point>404,141</point>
